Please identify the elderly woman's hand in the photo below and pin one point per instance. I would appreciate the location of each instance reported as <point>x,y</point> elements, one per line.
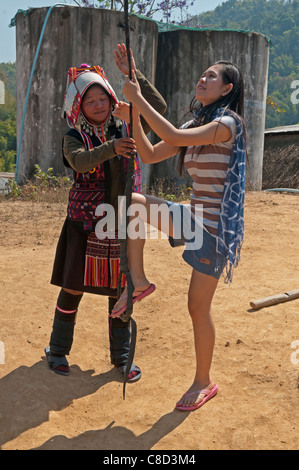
<point>124,146</point>
<point>122,111</point>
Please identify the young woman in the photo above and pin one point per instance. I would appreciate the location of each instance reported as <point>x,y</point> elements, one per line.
<point>97,148</point>
<point>212,148</point>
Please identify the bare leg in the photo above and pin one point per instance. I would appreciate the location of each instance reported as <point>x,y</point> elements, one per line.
<point>201,292</point>
<point>152,203</point>
<point>135,247</point>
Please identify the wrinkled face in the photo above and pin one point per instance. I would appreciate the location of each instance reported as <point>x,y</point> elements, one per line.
<point>96,104</point>
<point>211,87</point>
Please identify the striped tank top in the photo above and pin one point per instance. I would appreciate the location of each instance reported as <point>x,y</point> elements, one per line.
<point>207,166</point>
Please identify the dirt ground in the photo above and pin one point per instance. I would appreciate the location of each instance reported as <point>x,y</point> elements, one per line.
<point>254,363</point>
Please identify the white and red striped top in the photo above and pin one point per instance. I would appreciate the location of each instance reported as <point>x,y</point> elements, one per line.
<point>207,166</point>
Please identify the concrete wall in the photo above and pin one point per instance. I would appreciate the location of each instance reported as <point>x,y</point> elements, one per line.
<point>73,36</point>
<point>183,55</point>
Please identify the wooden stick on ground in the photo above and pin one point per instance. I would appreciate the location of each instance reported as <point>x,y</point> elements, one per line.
<point>275,299</point>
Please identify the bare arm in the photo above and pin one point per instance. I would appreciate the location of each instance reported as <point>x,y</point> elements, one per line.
<point>210,133</point>
<point>150,153</point>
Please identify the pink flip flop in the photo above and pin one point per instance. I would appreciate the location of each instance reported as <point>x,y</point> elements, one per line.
<point>140,296</point>
<point>208,394</point>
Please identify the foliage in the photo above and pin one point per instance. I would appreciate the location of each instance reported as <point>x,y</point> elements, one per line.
<point>8,141</point>
<point>167,8</point>
<point>44,186</point>
<point>167,189</point>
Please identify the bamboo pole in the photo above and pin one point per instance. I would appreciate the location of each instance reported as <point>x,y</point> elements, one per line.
<point>275,299</point>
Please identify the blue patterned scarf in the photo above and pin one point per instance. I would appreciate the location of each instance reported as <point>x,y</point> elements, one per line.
<point>230,234</point>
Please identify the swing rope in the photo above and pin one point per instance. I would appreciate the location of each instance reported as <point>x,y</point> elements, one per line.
<point>123,265</point>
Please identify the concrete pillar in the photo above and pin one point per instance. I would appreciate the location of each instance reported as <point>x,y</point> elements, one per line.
<point>73,36</point>
<point>183,55</point>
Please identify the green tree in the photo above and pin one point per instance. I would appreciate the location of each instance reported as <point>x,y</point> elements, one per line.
<point>8,118</point>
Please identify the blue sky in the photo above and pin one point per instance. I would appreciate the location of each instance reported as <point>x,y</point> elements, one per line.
<point>8,9</point>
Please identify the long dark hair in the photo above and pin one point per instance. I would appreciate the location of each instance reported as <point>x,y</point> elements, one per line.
<point>234,101</point>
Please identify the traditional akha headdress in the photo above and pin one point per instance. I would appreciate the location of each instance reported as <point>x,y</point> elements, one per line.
<point>78,82</point>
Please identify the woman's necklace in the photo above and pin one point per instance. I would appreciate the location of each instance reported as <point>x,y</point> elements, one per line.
<point>93,129</point>
<point>99,131</point>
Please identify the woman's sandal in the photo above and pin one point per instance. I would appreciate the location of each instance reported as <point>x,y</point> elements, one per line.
<point>134,375</point>
<point>59,365</point>
<point>208,394</point>
<point>139,294</point>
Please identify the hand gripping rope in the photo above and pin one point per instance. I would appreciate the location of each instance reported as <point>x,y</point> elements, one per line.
<point>123,266</point>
